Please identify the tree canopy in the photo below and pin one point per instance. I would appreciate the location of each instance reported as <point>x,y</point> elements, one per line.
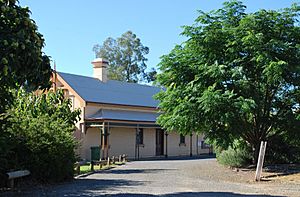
<point>126,56</point>
<point>236,77</point>
<point>22,64</point>
<point>21,58</point>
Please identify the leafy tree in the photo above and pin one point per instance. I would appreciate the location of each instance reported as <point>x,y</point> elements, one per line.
<point>42,131</point>
<point>237,77</point>
<point>126,56</point>
<point>22,62</point>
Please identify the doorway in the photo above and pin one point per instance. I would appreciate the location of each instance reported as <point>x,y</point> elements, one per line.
<point>159,142</point>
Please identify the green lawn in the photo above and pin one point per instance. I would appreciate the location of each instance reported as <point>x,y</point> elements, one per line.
<point>87,167</point>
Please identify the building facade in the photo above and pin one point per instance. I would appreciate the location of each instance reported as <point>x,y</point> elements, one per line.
<point>120,118</point>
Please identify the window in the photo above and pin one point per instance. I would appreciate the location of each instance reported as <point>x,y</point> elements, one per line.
<point>182,139</point>
<point>140,136</point>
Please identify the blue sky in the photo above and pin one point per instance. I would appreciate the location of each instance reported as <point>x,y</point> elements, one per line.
<point>71,27</point>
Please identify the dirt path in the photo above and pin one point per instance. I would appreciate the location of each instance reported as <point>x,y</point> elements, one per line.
<point>196,177</point>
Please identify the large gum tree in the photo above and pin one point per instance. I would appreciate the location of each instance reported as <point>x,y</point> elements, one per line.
<point>127,58</point>
<point>236,77</point>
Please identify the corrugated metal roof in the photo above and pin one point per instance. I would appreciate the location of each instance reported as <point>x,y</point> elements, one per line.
<point>112,92</point>
<point>105,114</point>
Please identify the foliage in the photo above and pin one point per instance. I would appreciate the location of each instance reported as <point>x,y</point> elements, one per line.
<point>22,63</point>
<point>236,77</point>
<point>126,56</point>
<point>234,157</point>
<point>42,130</point>
<point>282,150</point>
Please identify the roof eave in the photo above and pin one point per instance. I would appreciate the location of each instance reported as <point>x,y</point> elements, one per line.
<point>125,105</point>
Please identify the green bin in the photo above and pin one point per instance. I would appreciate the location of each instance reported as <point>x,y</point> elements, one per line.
<point>95,153</point>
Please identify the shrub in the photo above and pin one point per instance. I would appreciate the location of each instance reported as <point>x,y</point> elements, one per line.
<point>234,157</point>
<point>43,129</point>
<point>51,148</point>
<point>280,149</point>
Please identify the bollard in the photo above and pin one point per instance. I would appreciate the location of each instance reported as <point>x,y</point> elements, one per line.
<point>108,161</point>
<point>77,167</point>
<point>120,158</point>
<point>92,165</point>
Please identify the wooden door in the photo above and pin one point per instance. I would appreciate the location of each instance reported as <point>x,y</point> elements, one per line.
<point>159,142</point>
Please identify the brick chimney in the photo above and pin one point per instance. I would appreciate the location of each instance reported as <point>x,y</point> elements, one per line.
<point>100,69</point>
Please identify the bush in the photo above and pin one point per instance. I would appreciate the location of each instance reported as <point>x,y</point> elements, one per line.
<point>42,130</point>
<point>234,157</point>
<point>51,148</point>
<point>281,150</point>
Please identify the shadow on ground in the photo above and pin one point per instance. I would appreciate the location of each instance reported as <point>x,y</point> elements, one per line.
<point>171,158</point>
<point>134,171</point>
<point>112,188</point>
<point>78,187</point>
<point>282,170</point>
<point>184,194</point>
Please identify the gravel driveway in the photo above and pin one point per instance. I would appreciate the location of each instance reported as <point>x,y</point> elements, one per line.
<point>190,177</point>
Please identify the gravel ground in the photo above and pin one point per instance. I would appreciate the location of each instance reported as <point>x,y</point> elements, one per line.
<point>190,177</point>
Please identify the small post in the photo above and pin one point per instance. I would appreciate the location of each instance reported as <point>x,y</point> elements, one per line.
<point>120,158</point>
<point>108,161</point>
<point>11,183</point>
<point>113,160</point>
<point>124,158</point>
<point>260,161</point>
<point>197,144</point>
<point>77,167</point>
<point>191,144</point>
<point>166,134</point>
<point>92,165</point>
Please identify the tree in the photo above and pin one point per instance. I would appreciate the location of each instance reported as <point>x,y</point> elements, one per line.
<point>126,56</point>
<point>237,77</point>
<point>22,63</point>
<point>21,58</point>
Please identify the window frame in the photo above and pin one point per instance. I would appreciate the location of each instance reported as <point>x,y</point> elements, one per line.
<point>181,139</point>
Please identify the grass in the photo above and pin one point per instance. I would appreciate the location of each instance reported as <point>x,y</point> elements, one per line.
<point>87,167</point>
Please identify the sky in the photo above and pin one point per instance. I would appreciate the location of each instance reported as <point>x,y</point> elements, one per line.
<point>72,27</point>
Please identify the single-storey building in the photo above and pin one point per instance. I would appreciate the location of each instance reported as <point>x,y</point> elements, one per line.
<point>120,118</point>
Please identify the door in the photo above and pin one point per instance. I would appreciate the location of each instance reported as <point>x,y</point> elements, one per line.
<point>159,142</point>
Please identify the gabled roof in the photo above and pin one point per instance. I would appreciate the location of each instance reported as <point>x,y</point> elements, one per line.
<point>108,114</point>
<point>111,92</point>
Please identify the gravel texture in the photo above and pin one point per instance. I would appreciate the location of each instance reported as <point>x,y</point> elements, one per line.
<point>183,177</point>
